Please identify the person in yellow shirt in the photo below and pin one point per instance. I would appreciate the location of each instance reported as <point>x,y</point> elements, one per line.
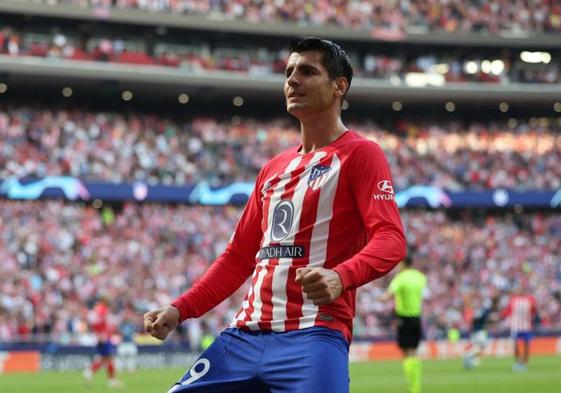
<point>207,337</point>
<point>408,288</point>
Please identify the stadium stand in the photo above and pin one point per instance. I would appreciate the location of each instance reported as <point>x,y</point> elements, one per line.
<point>503,133</point>
<point>452,16</point>
<point>41,141</point>
<point>59,257</point>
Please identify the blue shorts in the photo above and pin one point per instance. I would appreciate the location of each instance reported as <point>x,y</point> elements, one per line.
<point>105,348</point>
<point>526,336</point>
<point>314,360</point>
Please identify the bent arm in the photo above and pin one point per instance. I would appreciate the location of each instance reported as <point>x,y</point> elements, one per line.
<point>375,199</point>
<point>230,270</point>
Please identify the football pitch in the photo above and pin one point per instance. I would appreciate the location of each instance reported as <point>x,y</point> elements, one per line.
<point>441,376</point>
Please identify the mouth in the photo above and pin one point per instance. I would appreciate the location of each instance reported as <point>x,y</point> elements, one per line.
<point>295,95</point>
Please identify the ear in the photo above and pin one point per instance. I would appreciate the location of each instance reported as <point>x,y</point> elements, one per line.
<point>341,86</point>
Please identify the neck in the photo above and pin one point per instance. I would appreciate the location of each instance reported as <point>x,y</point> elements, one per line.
<point>320,132</point>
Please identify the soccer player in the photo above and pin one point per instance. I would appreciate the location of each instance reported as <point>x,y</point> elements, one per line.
<point>408,288</point>
<point>98,318</point>
<point>522,310</point>
<point>322,221</point>
<point>207,338</point>
<point>484,312</point>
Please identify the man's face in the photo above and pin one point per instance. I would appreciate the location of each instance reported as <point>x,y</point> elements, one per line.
<point>308,88</point>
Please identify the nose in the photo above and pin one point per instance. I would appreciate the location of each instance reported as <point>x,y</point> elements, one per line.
<point>292,80</point>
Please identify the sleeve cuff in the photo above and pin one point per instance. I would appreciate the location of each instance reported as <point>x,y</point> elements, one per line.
<point>183,315</point>
<point>345,273</point>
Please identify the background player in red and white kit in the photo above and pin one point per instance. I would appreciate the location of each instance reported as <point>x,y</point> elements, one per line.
<point>100,324</point>
<point>522,311</point>
<point>321,221</point>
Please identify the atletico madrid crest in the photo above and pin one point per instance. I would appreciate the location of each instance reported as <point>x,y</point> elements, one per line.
<point>318,176</point>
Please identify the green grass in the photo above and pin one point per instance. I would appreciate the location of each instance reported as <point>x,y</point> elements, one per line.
<point>448,376</point>
<point>492,376</point>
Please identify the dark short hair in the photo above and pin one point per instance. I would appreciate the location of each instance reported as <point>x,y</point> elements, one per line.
<point>334,59</point>
<point>408,261</point>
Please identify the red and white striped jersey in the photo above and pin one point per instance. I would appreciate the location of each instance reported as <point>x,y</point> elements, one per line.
<point>334,208</point>
<point>98,318</point>
<point>522,310</point>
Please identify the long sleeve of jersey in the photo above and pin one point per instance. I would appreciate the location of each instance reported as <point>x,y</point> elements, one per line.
<point>375,198</point>
<point>230,270</point>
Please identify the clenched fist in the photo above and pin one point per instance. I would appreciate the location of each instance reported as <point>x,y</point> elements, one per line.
<point>159,323</point>
<point>321,286</point>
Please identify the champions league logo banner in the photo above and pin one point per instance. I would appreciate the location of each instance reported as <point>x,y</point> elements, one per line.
<point>202,193</point>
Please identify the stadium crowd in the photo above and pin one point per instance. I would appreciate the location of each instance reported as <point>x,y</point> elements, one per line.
<point>457,65</point>
<point>58,258</point>
<point>115,147</point>
<point>388,19</point>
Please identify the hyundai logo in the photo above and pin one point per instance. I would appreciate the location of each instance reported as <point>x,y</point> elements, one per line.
<point>385,186</point>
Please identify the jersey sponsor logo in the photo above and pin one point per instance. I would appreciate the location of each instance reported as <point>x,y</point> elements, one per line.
<point>385,186</point>
<point>318,176</point>
<point>387,191</point>
<point>274,252</point>
<point>283,215</point>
